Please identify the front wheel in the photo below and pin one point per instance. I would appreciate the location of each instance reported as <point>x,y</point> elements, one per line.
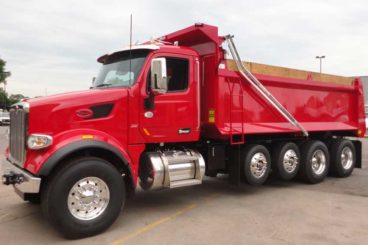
<point>84,198</point>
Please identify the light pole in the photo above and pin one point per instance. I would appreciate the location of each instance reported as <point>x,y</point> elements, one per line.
<point>320,62</point>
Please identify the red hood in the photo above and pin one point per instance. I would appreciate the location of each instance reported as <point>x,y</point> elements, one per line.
<point>82,96</point>
<point>57,113</point>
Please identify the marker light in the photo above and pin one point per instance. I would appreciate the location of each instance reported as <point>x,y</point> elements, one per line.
<point>39,141</point>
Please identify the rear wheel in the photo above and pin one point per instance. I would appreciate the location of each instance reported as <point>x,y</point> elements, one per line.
<point>286,160</point>
<point>84,198</point>
<point>315,161</point>
<point>343,157</point>
<point>256,164</point>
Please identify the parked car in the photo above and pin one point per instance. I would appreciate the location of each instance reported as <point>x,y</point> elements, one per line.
<point>4,118</point>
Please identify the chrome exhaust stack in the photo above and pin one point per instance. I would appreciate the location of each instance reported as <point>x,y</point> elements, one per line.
<point>171,169</point>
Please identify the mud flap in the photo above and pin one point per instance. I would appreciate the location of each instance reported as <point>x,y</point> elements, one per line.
<point>358,153</point>
<point>235,165</point>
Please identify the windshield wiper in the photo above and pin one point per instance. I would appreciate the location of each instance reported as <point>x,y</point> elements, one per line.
<point>103,85</point>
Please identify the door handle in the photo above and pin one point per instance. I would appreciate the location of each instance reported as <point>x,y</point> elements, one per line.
<point>184,131</point>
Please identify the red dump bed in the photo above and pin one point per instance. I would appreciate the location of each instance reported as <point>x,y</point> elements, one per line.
<point>231,106</point>
<point>318,106</point>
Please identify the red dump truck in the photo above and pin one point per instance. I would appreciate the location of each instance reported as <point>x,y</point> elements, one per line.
<point>168,112</point>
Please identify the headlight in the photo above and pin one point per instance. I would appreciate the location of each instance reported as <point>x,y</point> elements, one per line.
<point>38,141</point>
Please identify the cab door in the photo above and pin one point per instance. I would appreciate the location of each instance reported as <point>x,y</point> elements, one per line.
<point>174,115</point>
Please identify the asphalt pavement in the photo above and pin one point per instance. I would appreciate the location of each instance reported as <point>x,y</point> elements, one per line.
<point>332,212</point>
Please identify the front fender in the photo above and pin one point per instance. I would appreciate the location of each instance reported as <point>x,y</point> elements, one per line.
<point>68,149</point>
<point>41,162</point>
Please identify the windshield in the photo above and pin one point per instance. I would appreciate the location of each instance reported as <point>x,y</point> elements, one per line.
<point>121,71</point>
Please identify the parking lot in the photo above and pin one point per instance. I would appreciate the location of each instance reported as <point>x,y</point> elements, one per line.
<point>333,212</point>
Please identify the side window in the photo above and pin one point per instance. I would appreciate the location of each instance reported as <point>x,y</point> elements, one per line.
<point>177,74</point>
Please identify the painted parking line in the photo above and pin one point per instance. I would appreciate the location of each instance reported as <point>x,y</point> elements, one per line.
<point>153,225</point>
<point>159,222</point>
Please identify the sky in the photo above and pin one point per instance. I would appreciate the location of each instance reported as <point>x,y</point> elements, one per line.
<point>52,46</point>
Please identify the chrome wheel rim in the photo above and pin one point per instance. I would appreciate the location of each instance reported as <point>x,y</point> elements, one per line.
<point>318,162</point>
<point>258,165</point>
<point>346,158</point>
<point>88,198</point>
<point>290,161</point>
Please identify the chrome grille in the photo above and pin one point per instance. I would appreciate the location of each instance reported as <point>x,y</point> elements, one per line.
<point>18,135</point>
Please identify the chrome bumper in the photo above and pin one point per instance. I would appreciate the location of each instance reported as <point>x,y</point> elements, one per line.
<point>28,184</point>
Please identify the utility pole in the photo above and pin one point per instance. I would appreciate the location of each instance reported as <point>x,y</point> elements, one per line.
<point>320,62</point>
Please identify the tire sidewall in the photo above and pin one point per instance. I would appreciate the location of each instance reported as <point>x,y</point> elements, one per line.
<point>250,151</point>
<point>312,148</point>
<point>59,190</point>
<point>336,149</point>
<point>278,159</point>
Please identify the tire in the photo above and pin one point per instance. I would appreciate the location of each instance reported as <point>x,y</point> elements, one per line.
<point>286,160</point>
<point>98,185</point>
<point>343,157</point>
<point>317,152</point>
<point>256,164</point>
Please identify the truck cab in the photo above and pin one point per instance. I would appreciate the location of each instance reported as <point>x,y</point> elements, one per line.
<point>163,88</point>
<point>143,98</point>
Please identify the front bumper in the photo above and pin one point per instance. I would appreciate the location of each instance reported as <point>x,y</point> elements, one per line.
<point>28,183</point>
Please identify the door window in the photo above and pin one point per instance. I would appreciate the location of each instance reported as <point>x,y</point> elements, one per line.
<point>177,74</point>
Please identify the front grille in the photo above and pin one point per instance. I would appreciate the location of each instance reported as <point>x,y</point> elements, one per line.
<point>18,135</point>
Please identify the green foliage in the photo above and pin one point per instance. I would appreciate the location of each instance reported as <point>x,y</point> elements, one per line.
<point>3,74</point>
<point>5,100</point>
<point>15,98</point>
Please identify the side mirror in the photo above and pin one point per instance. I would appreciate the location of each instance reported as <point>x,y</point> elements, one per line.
<point>93,82</point>
<point>158,75</point>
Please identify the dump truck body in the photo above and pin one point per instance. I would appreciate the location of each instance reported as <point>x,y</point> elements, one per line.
<point>318,106</point>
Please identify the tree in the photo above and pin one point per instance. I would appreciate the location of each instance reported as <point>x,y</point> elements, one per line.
<point>3,99</point>
<point>3,74</point>
<point>15,98</point>
<point>6,101</point>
